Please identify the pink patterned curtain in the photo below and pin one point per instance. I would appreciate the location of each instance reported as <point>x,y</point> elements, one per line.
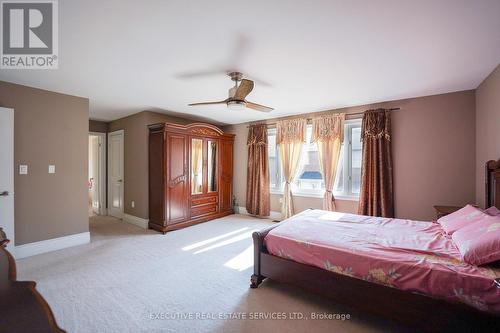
<point>290,136</point>
<point>328,133</point>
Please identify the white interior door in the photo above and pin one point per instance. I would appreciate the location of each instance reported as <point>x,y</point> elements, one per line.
<point>7,173</point>
<point>115,173</point>
<point>94,176</point>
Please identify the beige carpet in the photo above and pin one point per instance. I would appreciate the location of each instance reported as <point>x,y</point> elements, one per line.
<point>131,280</point>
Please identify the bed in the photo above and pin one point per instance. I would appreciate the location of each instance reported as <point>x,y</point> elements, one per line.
<point>400,269</point>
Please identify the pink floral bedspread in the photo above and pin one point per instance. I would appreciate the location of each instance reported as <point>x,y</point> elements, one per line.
<point>415,256</point>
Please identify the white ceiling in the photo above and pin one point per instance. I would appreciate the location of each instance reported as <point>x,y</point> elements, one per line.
<point>128,56</point>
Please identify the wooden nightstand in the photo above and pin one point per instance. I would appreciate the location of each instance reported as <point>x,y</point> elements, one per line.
<point>445,210</point>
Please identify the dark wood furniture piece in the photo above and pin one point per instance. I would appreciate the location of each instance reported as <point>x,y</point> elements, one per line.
<point>190,175</point>
<point>493,183</point>
<point>417,312</point>
<point>445,210</point>
<point>22,308</point>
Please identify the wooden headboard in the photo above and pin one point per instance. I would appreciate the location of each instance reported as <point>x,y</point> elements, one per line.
<point>493,183</point>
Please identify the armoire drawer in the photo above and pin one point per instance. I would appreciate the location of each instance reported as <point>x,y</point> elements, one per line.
<point>204,210</point>
<point>203,201</point>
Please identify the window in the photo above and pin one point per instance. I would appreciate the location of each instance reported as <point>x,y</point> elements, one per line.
<point>309,180</point>
<point>348,178</point>
<point>275,178</point>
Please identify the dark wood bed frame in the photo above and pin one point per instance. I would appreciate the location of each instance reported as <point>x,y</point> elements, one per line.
<point>22,307</point>
<point>415,311</point>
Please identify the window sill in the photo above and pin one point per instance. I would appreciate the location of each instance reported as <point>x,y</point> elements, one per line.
<point>346,197</point>
<point>319,195</point>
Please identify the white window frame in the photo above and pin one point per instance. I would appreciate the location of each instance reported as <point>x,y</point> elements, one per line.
<point>346,194</point>
<point>347,161</point>
<point>279,172</point>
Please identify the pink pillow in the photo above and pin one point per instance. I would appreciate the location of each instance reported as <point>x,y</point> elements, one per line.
<point>461,218</point>
<point>493,211</point>
<point>479,243</point>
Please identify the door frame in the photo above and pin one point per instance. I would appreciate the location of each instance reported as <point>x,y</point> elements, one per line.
<point>102,178</point>
<point>122,191</point>
<point>9,228</point>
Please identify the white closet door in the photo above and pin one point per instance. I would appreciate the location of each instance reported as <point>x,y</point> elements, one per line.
<point>115,174</point>
<point>7,173</point>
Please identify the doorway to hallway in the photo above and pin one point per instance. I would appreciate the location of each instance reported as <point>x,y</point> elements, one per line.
<point>97,174</point>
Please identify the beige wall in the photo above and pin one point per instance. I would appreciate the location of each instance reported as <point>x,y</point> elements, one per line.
<point>487,128</point>
<point>49,128</point>
<point>98,126</point>
<point>136,157</point>
<point>433,152</point>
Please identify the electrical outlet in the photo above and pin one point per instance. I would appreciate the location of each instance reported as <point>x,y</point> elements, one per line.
<point>52,168</point>
<point>23,169</point>
<point>132,204</point>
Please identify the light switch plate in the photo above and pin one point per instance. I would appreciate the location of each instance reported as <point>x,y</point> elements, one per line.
<point>52,168</point>
<point>132,204</point>
<point>23,169</point>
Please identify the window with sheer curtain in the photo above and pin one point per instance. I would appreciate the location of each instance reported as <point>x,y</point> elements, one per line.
<point>309,181</point>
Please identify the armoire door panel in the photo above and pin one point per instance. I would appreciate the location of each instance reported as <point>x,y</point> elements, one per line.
<point>212,166</point>
<point>156,173</point>
<point>177,183</point>
<point>196,165</point>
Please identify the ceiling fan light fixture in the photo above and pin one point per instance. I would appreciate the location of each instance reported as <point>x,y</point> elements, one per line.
<point>237,96</point>
<point>236,105</point>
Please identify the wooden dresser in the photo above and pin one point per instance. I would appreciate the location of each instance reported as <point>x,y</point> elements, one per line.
<point>22,308</point>
<point>190,175</point>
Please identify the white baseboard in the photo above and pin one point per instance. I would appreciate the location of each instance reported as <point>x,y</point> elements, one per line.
<point>276,216</point>
<point>31,249</point>
<point>138,221</point>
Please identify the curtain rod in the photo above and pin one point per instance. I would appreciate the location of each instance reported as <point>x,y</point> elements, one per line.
<point>308,119</point>
<point>355,113</point>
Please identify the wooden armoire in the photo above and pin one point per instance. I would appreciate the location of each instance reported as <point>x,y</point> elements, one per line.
<point>190,175</point>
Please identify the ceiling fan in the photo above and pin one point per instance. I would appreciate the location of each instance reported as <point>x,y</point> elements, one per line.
<point>237,94</point>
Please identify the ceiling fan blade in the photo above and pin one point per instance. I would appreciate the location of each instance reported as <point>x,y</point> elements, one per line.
<point>244,88</point>
<point>200,73</point>
<point>258,107</point>
<point>208,103</point>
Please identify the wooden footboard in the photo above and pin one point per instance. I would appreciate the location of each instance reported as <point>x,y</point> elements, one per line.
<point>416,311</point>
<point>259,248</point>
